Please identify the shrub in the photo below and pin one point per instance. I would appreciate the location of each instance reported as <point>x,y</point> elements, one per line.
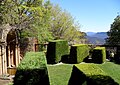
<point>89,74</point>
<point>99,55</point>
<point>32,70</point>
<point>56,49</point>
<point>78,53</point>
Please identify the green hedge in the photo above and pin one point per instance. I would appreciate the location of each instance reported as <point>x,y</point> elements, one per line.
<point>89,74</point>
<point>78,53</point>
<point>32,70</point>
<point>99,55</point>
<point>56,50</point>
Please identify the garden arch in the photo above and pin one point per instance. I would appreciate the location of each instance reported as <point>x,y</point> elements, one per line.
<point>9,49</point>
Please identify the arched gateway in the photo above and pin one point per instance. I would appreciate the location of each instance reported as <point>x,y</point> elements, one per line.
<point>9,49</point>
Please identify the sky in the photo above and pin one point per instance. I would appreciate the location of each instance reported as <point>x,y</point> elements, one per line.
<point>93,15</point>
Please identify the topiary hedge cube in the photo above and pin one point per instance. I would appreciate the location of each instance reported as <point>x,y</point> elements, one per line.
<point>56,50</point>
<point>99,55</point>
<point>32,70</point>
<point>78,53</point>
<point>89,74</point>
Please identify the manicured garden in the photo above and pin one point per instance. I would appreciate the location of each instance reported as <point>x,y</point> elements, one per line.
<point>60,74</point>
<point>37,68</point>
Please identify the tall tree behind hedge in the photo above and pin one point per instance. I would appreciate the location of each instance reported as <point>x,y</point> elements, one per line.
<point>22,15</point>
<point>114,33</point>
<point>63,25</point>
<point>41,25</point>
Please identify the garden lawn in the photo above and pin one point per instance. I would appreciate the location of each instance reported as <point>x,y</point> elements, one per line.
<point>59,74</point>
<point>112,69</point>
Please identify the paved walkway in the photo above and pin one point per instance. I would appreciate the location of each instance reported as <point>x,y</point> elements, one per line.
<point>6,80</point>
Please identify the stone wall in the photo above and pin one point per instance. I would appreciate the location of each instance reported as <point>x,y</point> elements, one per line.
<point>27,45</point>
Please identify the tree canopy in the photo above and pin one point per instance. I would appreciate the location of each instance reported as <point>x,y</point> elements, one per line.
<point>26,16</point>
<point>114,32</point>
<point>63,26</point>
<point>41,19</point>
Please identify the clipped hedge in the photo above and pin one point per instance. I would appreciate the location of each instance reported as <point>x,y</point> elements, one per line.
<point>56,50</point>
<point>89,74</point>
<point>78,53</point>
<point>32,70</point>
<point>99,55</point>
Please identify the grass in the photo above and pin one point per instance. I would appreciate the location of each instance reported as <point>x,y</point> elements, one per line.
<point>59,74</point>
<point>112,69</point>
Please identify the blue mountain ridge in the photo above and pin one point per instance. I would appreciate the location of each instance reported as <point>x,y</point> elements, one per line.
<point>96,37</point>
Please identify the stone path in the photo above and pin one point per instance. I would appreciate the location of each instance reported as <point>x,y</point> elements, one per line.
<point>6,80</point>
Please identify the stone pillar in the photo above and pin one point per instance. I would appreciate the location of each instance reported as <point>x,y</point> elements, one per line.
<point>4,60</point>
<point>0,60</point>
<point>16,55</point>
<point>19,57</point>
<point>9,63</point>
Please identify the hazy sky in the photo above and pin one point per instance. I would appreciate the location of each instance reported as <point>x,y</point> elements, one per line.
<point>93,15</point>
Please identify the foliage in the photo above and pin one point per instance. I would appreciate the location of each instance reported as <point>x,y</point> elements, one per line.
<point>28,17</point>
<point>90,74</point>
<point>78,53</point>
<point>99,55</point>
<point>90,69</point>
<point>56,50</point>
<point>41,19</point>
<point>32,70</point>
<point>34,59</point>
<point>41,25</point>
<point>114,33</point>
<point>112,70</point>
<point>63,26</point>
<point>59,74</point>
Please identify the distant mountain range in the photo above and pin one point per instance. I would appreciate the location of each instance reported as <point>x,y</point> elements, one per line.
<point>96,37</point>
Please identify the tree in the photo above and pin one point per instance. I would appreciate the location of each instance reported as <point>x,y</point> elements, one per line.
<point>114,33</point>
<point>63,25</point>
<point>41,23</point>
<point>40,19</point>
<point>26,16</point>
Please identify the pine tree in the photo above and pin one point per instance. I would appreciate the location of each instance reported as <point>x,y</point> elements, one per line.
<point>114,33</point>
